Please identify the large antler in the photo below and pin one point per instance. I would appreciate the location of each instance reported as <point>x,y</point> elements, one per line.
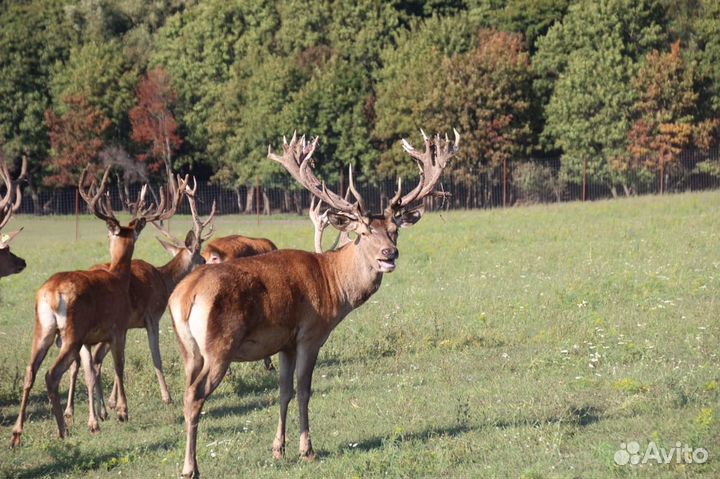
<point>10,203</point>
<point>297,160</point>
<point>431,162</point>
<point>97,199</point>
<point>168,203</point>
<point>199,225</point>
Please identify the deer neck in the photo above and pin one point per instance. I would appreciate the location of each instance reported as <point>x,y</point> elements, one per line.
<point>175,270</point>
<point>121,257</point>
<point>355,279</point>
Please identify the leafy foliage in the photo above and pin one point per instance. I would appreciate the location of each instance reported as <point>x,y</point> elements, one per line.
<point>76,138</point>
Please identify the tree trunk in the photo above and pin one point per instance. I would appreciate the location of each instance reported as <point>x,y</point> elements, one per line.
<point>238,196</point>
<point>287,201</point>
<point>297,198</point>
<point>613,191</point>
<point>37,209</point>
<point>627,190</point>
<point>250,200</point>
<point>266,202</point>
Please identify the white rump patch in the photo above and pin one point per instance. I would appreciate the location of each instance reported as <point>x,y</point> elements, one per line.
<point>49,319</point>
<point>198,323</point>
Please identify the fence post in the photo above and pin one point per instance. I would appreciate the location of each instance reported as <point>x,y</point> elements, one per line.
<point>77,214</point>
<point>504,198</point>
<point>257,199</point>
<point>584,189</point>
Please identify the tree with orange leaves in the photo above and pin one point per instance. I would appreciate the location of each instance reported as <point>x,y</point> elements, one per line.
<point>76,138</point>
<point>664,121</point>
<point>153,123</point>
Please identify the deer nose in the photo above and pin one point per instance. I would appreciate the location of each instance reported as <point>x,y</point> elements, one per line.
<point>391,253</point>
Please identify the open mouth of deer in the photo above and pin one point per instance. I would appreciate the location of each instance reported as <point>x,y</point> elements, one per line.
<point>386,265</point>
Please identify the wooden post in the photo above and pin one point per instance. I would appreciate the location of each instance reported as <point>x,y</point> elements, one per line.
<point>257,199</point>
<point>77,214</point>
<point>584,188</point>
<point>504,198</point>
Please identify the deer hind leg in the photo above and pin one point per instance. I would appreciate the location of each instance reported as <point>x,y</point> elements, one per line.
<point>70,407</point>
<point>195,396</point>
<point>306,358</point>
<point>153,331</point>
<point>118,352</point>
<point>68,354</point>
<point>98,357</point>
<point>41,344</point>
<point>287,370</point>
<point>91,382</point>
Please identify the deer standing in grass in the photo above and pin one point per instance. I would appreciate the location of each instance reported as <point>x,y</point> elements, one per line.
<point>150,288</point>
<point>9,204</point>
<point>289,301</point>
<point>83,308</point>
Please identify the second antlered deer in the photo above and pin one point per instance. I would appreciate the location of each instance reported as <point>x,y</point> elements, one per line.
<point>83,308</point>
<point>150,288</point>
<point>289,301</point>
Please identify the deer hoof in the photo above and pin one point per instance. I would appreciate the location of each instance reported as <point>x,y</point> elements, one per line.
<point>93,427</point>
<point>16,439</point>
<point>308,456</point>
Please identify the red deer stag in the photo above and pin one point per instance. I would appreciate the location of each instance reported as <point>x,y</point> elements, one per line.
<point>150,288</point>
<point>9,204</point>
<point>90,307</point>
<point>289,301</point>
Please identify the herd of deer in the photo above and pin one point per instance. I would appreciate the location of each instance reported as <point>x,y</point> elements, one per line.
<point>255,302</point>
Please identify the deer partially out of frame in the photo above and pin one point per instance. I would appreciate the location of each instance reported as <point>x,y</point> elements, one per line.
<point>231,247</point>
<point>9,204</point>
<point>150,288</point>
<point>89,307</point>
<point>289,301</point>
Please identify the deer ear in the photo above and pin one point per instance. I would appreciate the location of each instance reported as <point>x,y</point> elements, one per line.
<point>409,217</point>
<point>190,240</point>
<point>169,247</point>
<point>342,222</point>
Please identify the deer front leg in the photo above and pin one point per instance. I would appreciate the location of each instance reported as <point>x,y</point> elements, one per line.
<point>306,357</point>
<point>153,331</point>
<point>287,369</point>
<point>90,381</point>
<point>70,407</point>
<point>39,350</point>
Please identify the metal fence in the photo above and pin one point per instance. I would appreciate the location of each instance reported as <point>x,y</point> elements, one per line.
<point>515,183</point>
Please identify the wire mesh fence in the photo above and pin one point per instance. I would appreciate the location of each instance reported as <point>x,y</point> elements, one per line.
<point>515,183</point>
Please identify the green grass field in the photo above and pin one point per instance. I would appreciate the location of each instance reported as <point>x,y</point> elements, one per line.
<point>525,342</point>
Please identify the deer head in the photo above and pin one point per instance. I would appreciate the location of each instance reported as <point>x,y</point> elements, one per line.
<point>376,234</point>
<point>189,249</point>
<point>9,204</point>
<point>121,237</point>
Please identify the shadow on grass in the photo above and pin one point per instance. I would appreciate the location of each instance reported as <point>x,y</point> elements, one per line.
<point>69,458</point>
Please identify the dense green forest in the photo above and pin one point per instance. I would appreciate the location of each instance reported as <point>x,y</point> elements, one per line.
<point>621,86</point>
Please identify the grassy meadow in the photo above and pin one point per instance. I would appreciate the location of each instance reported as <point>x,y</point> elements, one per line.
<point>527,342</point>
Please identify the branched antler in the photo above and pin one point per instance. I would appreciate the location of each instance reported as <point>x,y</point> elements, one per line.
<point>10,203</point>
<point>431,163</point>
<point>96,197</point>
<point>297,160</point>
<point>199,225</point>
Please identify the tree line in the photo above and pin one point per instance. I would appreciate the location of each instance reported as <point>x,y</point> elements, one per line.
<point>614,89</point>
